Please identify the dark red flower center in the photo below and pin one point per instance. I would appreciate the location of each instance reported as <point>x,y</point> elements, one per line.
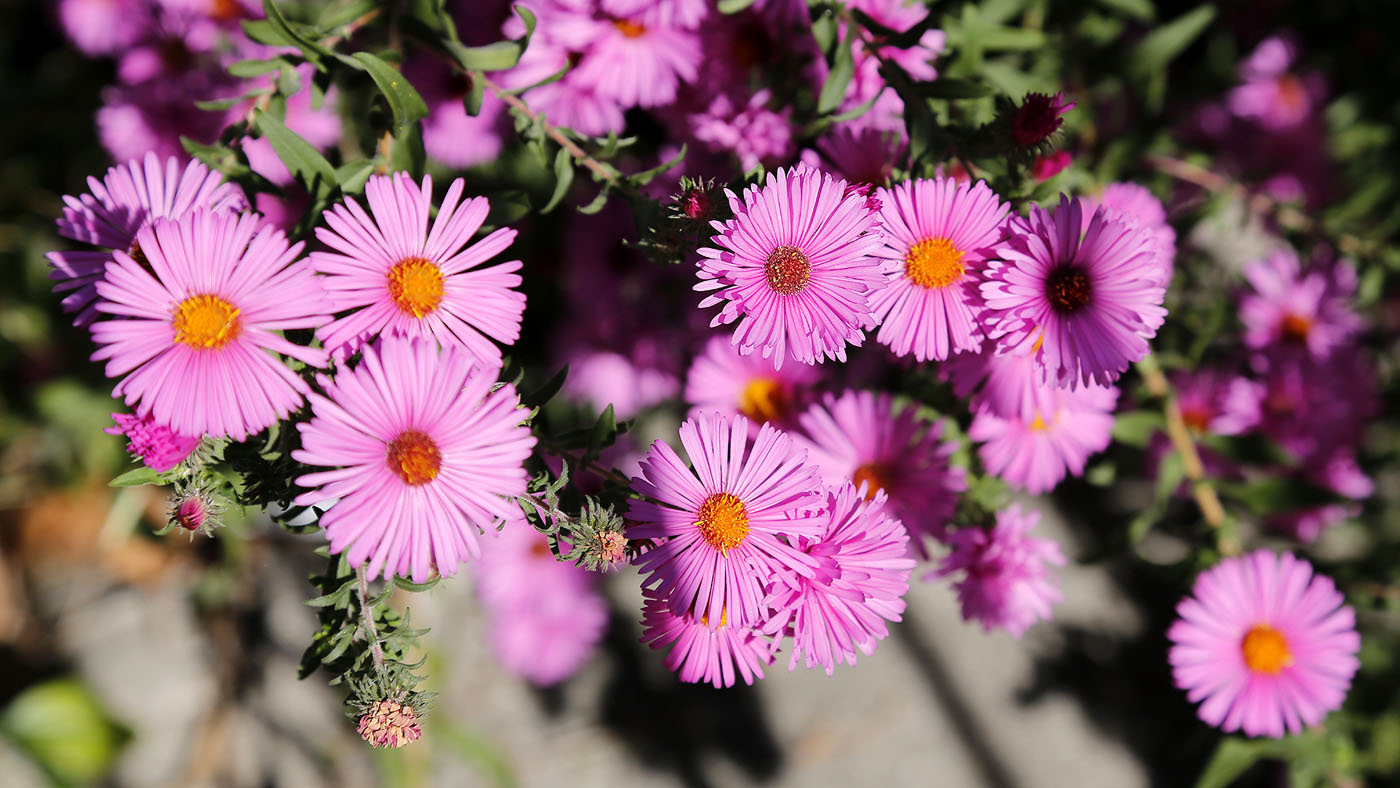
<point>1068,289</point>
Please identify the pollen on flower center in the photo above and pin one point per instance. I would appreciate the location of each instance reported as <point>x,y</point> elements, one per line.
<point>1295,328</point>
<point>1265,650</point>
<point>763,400</point>
<point>723,521</point>
<point>1068,288</point>
<point>1038,424</point>
<point>933,262</point>
<point>414,457</point>
<point>788,270</point>
<point>875,477</point>
<point>206,322</point>
<point>629,28</point>
<point>416,286</point>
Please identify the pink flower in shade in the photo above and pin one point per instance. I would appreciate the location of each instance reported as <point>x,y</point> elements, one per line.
<point>1047,167</point>
<point>1288,307</point>
<point>546,619</point>
<point>602,378</point>
<point>152,116</point>
<point>1005,582</point>
<point>571,101</point>
<point>1216,402</point>
<point>685,14</point>
<point>1306,525</point>
<point>1010,386</point>
<point>1039,117</point>
<point>703,651</point>
<point>198,325</point>
<point>126,200</point>
<point>404,278</point>
<point>1085,308</point>
<point>795,267</point>
<point>1036,453</point>
<point>863,568</point>
<point>936,232</point>
<point>426,454</point>
<point>635,63</point>
<point>104,27</point>
<point>1264,645</point>
<point>450,135</point>
<point>1136,204</point>
<point>864,438</point>
<point>860,155</point>
<point>160,447</point>
<point>753,132</point>
<point>1313,408</point>
<point>721,527</point>
<point>725,382</point>
<point>1271,93</point>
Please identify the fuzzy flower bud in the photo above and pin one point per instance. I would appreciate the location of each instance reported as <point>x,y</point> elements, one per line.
<point>195,509</point>
<point>389,724</point>
<point>695,203</point>
<point>1038,118</point>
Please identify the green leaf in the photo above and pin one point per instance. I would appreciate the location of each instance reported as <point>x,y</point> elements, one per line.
<point>246,69</point>
<point>475,94</point>
<point>1136,427</point>
<point>1011,38</point>
<point>645,176</point>
<point>408,107</point>
<point>409,585</point>
<point>136,477</point>
<point>1275,494</point>
<point>63,728</point>
<point>563,179</point>
<point>837,80</point>
<point>733,6</point>
<point>303,161</point>
<point>546,392</point>
<point>597,203</point>
<point>1141,10</point>
<point>604,430</point>
<point>1152,56</point>
<point>1233,758</point>
<point>352,175</point>
<point>954,89</point>
<point>314,52</point>
<point>498,56</point>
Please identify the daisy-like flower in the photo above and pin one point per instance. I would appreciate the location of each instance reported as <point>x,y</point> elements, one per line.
<point>404,278</point>
<point>1036,453</point>
<point>722,526</point>
<point>1264,644</point>
<point>863,438</point>
<point>1136,203</point>
<point>702,652</point>
<point>723,381</point>
<point>935,233</point>
<point>637,62</point>
<point>1288,307</point>
<point>862,576</point>
<point>425,454</point>
<point>795,267</point>
<point>116,208</point>
<point>1010,386</point>
<point>1084,309</point>
<point>1214,401</point>
<point>199,320</point>
<point>160,447</point>
<point>1005,583</point>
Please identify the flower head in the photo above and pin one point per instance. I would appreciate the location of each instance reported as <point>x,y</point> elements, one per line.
<point>703,651</point>
<point>1039,117</point>
<point>403,277</point>
<point>1308,311</point>
<point>795,267</point>
<point>723,381</point>
<point>426,455</point>
<point>1004,581</point>
<point>1264,645</point>
<point>197,334</point>
<point>389,724</point>
<point>1136,204</point>
<point>1035,453</point>
<point>160,447</point>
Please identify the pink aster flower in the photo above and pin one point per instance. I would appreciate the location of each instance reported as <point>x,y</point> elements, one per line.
<point>1217,402</point>
<point>1010,386</point>
<point>722,526</point>
<point>795,267</point>
<point>725,382</point>
<point>936,231</point>
<point>1264,644</point>
<point>1039,117</point>
<point>571,101</point>
<point>1313,408</point>
<point>864,438</point>
<point>127,199</point>
<point>198,325</point>
<point>104,27</point>
<point>1084,307</point>
<point>863,568</point>
<point>1135,203</point>
<point>860,155</point>
<point>404,278</point>
<point>753,132</point>
<point>426,454</point>
<point>1005,583</point>
<point>1307,310</point>
<point>160,447</point>
<point>636,63</point>
<point>1271,93</point>
<point>1047,167</point>
<point>702,651</point>
<point>1036,453</point>
<point>450,135</point>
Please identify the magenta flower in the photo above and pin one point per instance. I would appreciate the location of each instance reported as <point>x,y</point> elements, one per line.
<point>1271,93</point>
<point>1047,167</point>
<point>158,446</point>
<point>1216,402</point>
<point>860,155</point>
<point>127,199</point>
<point>1035,454</point>
<point>795,266</point>
<point>1311,311</point>
<point>756,134</point>
<point>935,233</point>
<point>636,63</point>
<point>601,378</point>
<point>864,438</point>
<point>1005,583</point>
<point>450,135</point>
<point>1010,386</point>
<point>570,101</point>
<point>1264,645</point>
<point>199,322</point>
<point>425,455</point>
<point>703,651</point>
<point>722,526</point>
<point>863,568</point>
<point>1084,308</point>
<point>1135,203</point>
<point>722,381</point>
<point>404,278</point>
<point>1039,117</point>
<point>104,27</point>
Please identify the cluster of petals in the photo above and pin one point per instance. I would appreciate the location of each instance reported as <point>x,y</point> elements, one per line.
<point>1001,572</point>
<point>723,381</point>
<point>155,444</point>
<point>702,653</point>
<point>1308,310</point>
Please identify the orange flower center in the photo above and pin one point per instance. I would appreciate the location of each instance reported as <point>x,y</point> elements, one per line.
<point>414,457</point>
<point>1265,650</point>
<point>723,521</point>
<point>1197,418</point>
<point>763,400</point>
<point>1038,424</point>
<point>874,475</point>
<point>206,322</point>
<point>629,28</point>
<point>723,618</point>
<point>1068,288</point>
<point>1292,93</point>
<point>788,270</point>
<point>1295,328</point>
<point>933,262</point>
<point>416,286</point>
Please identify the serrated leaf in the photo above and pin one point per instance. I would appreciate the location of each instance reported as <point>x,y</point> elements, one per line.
<point>303,161</point>
<point>408,107</point>
<point>843,69</point>
<point>136,477</point>
<point>563,179</point>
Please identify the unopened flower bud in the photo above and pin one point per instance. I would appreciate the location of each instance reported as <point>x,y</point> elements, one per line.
<point>1038,118</point>
<point>695,203</point>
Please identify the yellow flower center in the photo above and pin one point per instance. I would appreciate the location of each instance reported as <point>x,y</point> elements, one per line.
<point>763,400</point>
<point>206,322</point>
<point>933,262</point>
<point>1038,424</point>
<point>629,28</point>
<point>788,270</point>
<point>416,285</point>
<point>1265,650</point>
<point>873,474</point>
<point>723,618</point>
<point>414,457</point>
<point>723,521</point>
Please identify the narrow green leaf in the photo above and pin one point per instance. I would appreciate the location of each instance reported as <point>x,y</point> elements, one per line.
<point>136,477</point>
<point>597,203</point>
<point>302,159</point>
<point>352,175</point>
<point>563,179</point>
<point>314,52</point>
<point>839,78</point>
<point>546,392</point>
<point>409,585</point>
<point>498,56</point>
<point>733,6</point>
<point>1136,427</point>
<point>645,176</point>
<point>408,107</point>
<point>245,69</point>
<point>1011,39</point>
<point>1140,10</point>
<point>1232,758</point>
<point>604,430</point>
<point>475,94</point>
<point>1166,42</point>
